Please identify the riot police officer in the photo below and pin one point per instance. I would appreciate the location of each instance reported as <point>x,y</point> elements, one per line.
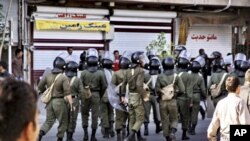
<point>217,76</point>
<point>196,90</point>
<point>107,110</point>
<point>94,84</point>
<point>121,115</point>
<point>239,67</point>
<point>168,108</point>
<point>56,108</point>
<point>182,98</point>
<point>150,80</point>
<point>134,77</point>
<point>76,88</point>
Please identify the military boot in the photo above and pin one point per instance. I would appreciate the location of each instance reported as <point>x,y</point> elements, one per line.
<point>184,135</point>
<point>193,129</point>
<point>167,138</point>
<point>106,133</point>
<point>158,127</point>
<point>86,134</point>
<point>119,137</point>
<point>59,139</point>
<point>70,136</point>
<point>93,138</point>
<point>111,129</point>
<point>139,137</point>
<point>131,137</point>
<point>172,134</point>
<point>41,134</point>
<point>146,129</point>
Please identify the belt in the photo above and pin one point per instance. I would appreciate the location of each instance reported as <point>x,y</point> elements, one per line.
<point>74,96</point>
<point>57,97</point>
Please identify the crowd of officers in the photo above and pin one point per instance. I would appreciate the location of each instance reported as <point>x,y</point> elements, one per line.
<point>89,93</point>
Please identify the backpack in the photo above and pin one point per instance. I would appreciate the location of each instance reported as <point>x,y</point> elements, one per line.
<point>147,90</point>
<point>215,89</point>
<point>168,91</point>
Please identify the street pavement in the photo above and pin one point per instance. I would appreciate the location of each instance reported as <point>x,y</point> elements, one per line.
<point>78,136</point>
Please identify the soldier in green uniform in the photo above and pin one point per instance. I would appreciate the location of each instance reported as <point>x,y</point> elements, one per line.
<point>76,88</point>
<point>182,98</point>
<point>107,113</point>
<point>92,79</point>
<point>121,115</point>
<point>56,108</point>
<point>217,76</point>
<point>150,80</point>
<point>134,77</point>
<point>168,107</point>
<point>195,91</point>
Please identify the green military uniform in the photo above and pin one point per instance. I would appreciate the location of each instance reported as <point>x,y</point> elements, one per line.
<point>215,79</point>
<point>121,116</point>
<point>56,108</point>
<point>151,103</point>
<point>76,88</point>
<point>107,113</point>
<point>168,109</point>
<point>98,85</point>
<point>196,90</point>
<point>135,101</point>
<point>183,101</point>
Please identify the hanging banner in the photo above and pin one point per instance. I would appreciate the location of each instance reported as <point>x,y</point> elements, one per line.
<point>95,26</point>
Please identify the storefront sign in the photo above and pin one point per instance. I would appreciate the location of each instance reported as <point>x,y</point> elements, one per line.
<point>71,15</point>
<point>207,38</point>
<point>95,26</point>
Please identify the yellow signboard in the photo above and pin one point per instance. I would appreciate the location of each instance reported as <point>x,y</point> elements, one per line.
<point>73,25</point>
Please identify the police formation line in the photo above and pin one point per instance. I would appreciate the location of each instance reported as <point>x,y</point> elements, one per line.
<point>173,87</point>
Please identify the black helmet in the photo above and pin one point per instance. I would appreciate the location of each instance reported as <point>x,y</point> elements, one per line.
<point>92,62</point>
<point>237,64</point>
<point>195,66</point>
<point>59,65</point>
<point>168,63</point>
<point>154,66</point>
<point>124,63</point>
<point>107,63</point>
<point>182,63</point>
<point>71,69</point>
<point>215,55</point>
<point>218,64</point>
<point>135,57</point>
<point>83,56</point>
<point>178,50</point>
<point>244,66</point>
<point>151,54</point>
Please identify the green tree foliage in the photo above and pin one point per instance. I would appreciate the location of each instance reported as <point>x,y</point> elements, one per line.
<point>160,46</point>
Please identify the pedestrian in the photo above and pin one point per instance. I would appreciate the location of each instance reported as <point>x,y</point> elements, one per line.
<point>3,70</point>
<point>134,77</point>
<point>18,111</point>
<point>76,89</point>
<point>150,81</point>
<point>168,107</point>
<point>116,60</point>
<point>17,65</point>
<point>121,116</point>
<point>245,89</point>
<point>231,110</point>
<point>196,92</point>
<point>56,109</point>
<point>95,85</point>
<point>69,55</point>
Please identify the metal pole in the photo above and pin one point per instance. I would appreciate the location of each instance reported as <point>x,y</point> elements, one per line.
<point>10,49</point>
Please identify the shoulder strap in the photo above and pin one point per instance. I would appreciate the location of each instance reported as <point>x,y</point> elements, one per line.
<point>180,74</point>
<point>223,77</point>
<point>175,75</point>
<point>72,81</point>
<point>57,76</point>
